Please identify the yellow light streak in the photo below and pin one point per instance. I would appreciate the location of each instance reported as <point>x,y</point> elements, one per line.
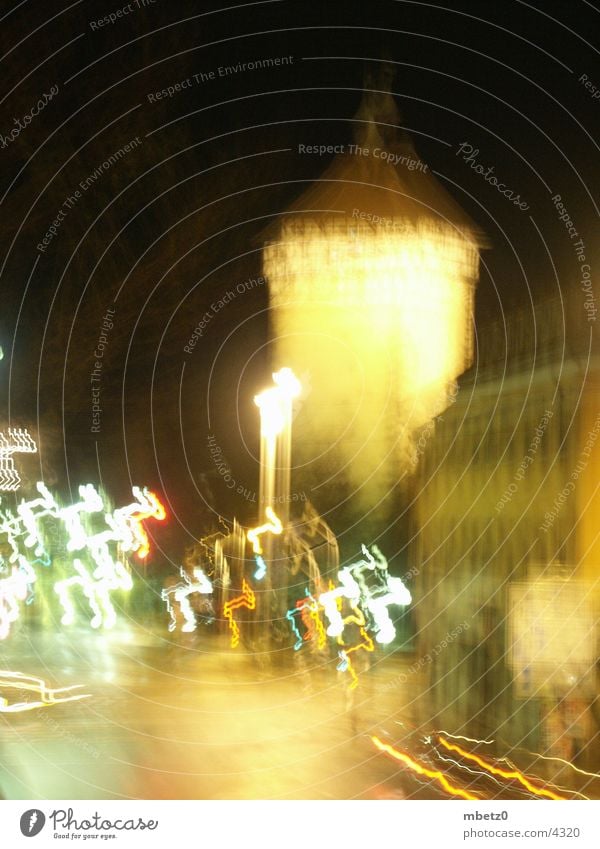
<point>48,696</point>
<point>514,774</point>
<point>367,645</point>
<point>246,599</point>
<point>421,770</point>
<point>273,526</point>
<point>312,611</point>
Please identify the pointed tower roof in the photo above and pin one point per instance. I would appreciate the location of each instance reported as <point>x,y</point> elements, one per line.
<point>380,176</point>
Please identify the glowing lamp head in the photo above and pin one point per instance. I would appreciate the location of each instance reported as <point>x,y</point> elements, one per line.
<point>288,383</point>
<point>274,402</point>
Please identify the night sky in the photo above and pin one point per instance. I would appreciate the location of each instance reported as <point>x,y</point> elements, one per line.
<point>199,172</point>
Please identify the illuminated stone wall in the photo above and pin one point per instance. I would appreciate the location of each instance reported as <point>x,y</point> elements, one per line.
<point>377,322</point>
<point>494,504</point>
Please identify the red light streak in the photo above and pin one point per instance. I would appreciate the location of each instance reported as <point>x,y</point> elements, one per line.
<point>157,512</point>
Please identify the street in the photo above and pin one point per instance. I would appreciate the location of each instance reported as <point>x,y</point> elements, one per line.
<point>185,717</point>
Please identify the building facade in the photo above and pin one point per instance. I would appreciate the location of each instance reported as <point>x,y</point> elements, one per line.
<point>505,501</point>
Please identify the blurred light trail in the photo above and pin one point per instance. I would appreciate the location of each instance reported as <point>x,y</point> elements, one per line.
<point>331,586</point>
<point>480,773</point>
<point>331,600</point>
<point>151,508</point>
<point>290,617</point>
<point>549,784</point>
<point>18,441</point>
<point>527,751</point>
<point>181,593</point>
<point>421,770</point>
<point>29,517</point>
<point>378,607</point>
<point>308,610</point>
<point>566,763</point>
<point>514,774</point>
<point>273,526</point>
<point>467,739</point>
<point>48,696</point>
<point>311,616</point>
<point>378,593</point>
<point>366,644</point>
<point>261,568</point>
<point>91,502</point>
<point>97,578</point>
<point>368,583</point>
<point>13,589</point>
<point>125,530</point>
<point>96,588</point>
<point>246,599</point>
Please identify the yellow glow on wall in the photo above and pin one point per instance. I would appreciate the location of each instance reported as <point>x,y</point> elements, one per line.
<point>380,317</point>
<point>413,284</point>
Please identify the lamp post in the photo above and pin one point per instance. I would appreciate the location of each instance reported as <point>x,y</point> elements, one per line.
<point>275,405</point>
